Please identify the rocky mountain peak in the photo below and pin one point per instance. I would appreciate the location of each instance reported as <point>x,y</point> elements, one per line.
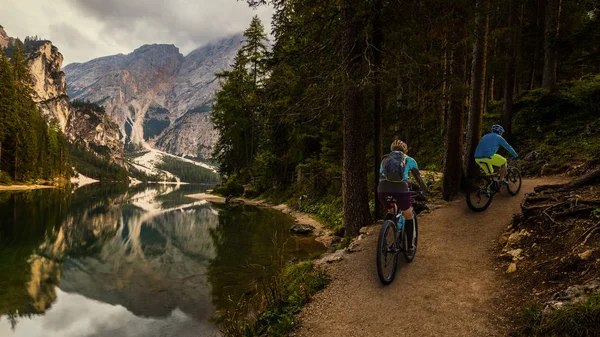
<point>156,95</point>
<point>4,39</point>
<point>49,82</point>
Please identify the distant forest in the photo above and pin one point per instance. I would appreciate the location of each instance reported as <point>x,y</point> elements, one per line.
<point>188,172</point>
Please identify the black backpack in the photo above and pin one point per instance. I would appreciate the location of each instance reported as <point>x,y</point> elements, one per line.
<point>393,167</point>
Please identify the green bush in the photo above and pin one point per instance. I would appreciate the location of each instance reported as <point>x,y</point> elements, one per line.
<point>282,298</point>
<point>298,284</point>
<point>581,319</point>
<point>329,210</point>
<point>230,187</point>
<point>5,178</point>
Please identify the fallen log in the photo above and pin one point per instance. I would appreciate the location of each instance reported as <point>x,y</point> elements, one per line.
<point>587,179</point>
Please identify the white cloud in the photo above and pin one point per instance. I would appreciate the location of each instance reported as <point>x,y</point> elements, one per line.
<point>86,29</point>
<point>74,315</point>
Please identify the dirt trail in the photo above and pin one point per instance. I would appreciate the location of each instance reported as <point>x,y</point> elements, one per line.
<point>451,289</point>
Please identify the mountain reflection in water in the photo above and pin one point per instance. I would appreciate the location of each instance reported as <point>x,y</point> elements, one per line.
<point>108,260</point>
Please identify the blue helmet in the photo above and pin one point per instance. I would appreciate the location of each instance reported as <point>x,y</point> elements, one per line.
<point>497,128</point>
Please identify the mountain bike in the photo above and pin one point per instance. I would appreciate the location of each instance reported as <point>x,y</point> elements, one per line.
<point>483,187</point>
<point>392,240</point>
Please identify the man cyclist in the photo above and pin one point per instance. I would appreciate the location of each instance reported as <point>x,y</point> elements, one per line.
<point>393,183</point>
<point>486,156</point>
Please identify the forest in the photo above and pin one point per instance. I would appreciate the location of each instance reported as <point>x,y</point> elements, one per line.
<point>188,172</point>
<point>30,149</point>
<point>312,112</point>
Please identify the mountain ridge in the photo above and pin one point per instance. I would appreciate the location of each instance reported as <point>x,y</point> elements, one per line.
<point>149,91</point>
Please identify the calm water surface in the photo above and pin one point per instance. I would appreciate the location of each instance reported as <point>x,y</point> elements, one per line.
<point>110,260</point>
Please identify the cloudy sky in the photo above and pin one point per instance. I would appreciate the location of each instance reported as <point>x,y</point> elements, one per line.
<point>86,29</point>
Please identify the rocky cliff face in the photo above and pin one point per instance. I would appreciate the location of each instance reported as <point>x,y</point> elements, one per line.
<point>4,39</point>
<point>83,125</point>
<point>49,82</point>
<point>192,135</point>
<point>156,95</point>
<point>97,132</point>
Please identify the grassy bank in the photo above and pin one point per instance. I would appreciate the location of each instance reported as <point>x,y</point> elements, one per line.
<point>580,320</point>
<point>277,305</point>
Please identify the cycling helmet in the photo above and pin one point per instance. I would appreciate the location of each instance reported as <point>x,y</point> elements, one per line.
<point>399,145</point>
<point>497,129</point>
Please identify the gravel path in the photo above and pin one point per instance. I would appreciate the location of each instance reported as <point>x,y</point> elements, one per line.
<point>451,289</point>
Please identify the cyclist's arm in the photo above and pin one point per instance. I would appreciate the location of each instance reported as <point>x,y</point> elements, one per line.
<point>414,169</point>
<point>508,148</point>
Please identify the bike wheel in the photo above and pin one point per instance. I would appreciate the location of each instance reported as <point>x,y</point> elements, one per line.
<point>514,180</point>
<point>387,252</point>
<point>480,193</point>
<point>410,256</point>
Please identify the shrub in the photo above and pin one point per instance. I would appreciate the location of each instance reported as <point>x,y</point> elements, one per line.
<point>5,178</point>
<point>230,187</point>
<point>581,319</point>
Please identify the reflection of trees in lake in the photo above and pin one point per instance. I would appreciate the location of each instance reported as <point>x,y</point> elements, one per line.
<point>248,243</point>
<point>148,249</point>
<point>27,279</point>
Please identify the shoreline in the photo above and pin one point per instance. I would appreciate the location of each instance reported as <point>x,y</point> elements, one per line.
<point>24,187</point>
<point>321,233</point>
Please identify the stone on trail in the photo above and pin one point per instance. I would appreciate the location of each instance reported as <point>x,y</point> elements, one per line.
<point>335,257</point>
<point>302,229</point>
<point>586,255</point>
<point>512,268</point>
<point>515,253</point>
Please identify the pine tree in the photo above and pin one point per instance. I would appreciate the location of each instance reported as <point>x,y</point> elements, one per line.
<point>239,106</point>
<point>476,97</point>
<point>255,50</point>
<point>354,182</point>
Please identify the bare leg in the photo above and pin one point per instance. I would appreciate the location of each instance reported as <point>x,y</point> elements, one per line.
<point>408,214</point>
<point>503,172</point>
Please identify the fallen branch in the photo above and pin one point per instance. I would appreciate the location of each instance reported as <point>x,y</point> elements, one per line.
<point>545,262</point>
<point>549,217</point>
<point>588,234</point>
<point>576,211</point>
<point>534,208</point>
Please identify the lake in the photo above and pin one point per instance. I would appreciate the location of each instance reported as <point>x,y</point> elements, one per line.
<point>113,260</point>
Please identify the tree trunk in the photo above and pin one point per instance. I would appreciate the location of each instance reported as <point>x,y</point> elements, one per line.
<point>478,70</point>
<point>492,96</point>
<point>377,106</point>
<point>354,176</point>
<point>16,156</point>
<point>456,107</point>
<point>550,40</point>
<point>518,51</point>
<point>444,103</point>
<point>509,79</point>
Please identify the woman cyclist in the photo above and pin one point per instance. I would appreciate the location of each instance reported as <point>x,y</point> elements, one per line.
<point>393,185</point>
